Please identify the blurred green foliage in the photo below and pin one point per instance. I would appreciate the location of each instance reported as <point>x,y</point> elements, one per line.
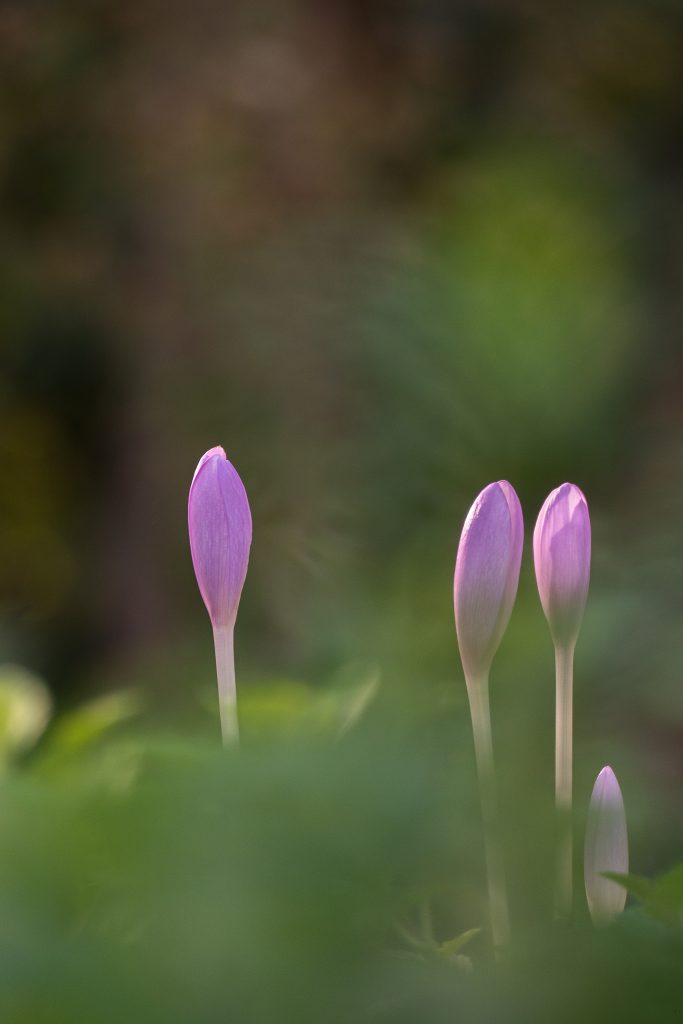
<point>662,897</point>
<point>149,878</point>
<point>384,254</point>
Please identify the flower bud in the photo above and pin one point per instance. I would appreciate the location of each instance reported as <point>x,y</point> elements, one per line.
<point>606,848</point>
<point>486,575</point>
<point>562,557</point>
<point>219,522</point>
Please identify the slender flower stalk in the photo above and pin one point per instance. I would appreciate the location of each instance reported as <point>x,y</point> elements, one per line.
<point>219,521</point>
<point>562,554</point>
<point>484,590</point>
<point>564,714</point>
<point>606,849</point>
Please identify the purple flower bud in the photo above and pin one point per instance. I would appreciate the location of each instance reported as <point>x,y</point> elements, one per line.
<point>606,848</point>
<point>219,522</point>
<point>486,575</point>
<point>562,557</point>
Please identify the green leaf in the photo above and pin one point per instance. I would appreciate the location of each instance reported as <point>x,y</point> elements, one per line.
<point>452,947</point>
<point>284,708</point>
<point>354,702</point>
<point>638,886</point>
<point>667,897</point>
<point>661,897</point>
<point>88,724</point>
<point>669,887</point>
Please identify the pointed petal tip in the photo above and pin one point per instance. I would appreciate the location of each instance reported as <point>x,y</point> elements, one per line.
<point>512,498</point>
<point>572,492</point>
<point>508,490</point>
<point>217,450</point>
<point>609,783</point>
<point>495,485</point>
<point>605,779</point>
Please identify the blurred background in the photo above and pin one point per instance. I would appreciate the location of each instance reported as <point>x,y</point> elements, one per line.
<point>384,253</point>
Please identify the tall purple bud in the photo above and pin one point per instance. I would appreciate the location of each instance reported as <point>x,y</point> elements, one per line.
<point>219,521</point>
<point>484,591</point>
<point>606,848</point>
<point>486,576</point>
<point>562,556</point>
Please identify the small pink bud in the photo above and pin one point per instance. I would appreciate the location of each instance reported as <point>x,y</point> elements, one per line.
<point>606,848</point>
<point>562,558</point>
<point>219,522</point>
<point>486,575</point>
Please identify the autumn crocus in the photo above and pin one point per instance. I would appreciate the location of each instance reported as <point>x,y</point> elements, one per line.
<point>484,590</point>
<point>219,521</point>
<point>606,849</point>
<point>562,556</point>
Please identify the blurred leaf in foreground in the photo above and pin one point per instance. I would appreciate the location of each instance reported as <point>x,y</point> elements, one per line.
<point>661,897</point>
<point>288,708</point>
<point>25,710</point>
<point>88,723</point>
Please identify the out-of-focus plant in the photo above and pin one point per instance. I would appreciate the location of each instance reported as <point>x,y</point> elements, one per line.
<point>660,897</point>
<point>25,710</point>
<point>287,708</point>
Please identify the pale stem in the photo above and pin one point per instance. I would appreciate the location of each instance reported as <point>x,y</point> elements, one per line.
<point>564,681</point>
<point>223,639</point>
<point>478,691</point>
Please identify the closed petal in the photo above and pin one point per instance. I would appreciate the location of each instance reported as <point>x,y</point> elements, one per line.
<point>486,575</point>
<point>219,521</point>
<point>562,555</point>
<point>606,848</point>
<point>517,521</point>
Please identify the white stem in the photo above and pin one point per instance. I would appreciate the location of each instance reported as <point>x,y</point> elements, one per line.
<point>223,639</point>
<point>564,682</point>
<point>478,691</point>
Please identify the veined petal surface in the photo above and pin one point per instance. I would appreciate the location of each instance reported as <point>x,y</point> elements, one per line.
<point>219,521</point>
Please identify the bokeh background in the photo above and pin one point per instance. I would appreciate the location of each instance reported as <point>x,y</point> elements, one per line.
<point>384,253</point>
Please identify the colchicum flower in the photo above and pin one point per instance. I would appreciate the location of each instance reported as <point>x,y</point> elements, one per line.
<point>486,576</point>
<point>562,556</point>
<point>484,591</point>
<point>606,849</point>
<point>562,559</point>
<point>219,521</point>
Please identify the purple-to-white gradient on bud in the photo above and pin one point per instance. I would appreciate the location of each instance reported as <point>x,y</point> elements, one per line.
<point>486,575</point>
<point>606,848</point>
<point>562,559</point>
<point>219,521</point>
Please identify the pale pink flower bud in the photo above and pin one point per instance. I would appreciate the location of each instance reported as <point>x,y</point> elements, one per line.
<point>606,848</point>
<point>219,522</point>
<point>562,558</point>
<point>486,575</point>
